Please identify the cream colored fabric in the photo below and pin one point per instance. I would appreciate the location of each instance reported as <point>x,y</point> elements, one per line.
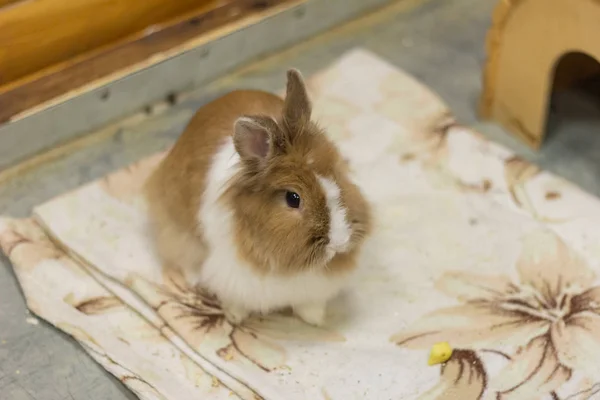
<point>472,246</point>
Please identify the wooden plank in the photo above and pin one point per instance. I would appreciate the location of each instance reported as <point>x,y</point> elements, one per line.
<point>37,34</point>
<point>75,74</point>
<point>191,64</point>
<point>8,2</point>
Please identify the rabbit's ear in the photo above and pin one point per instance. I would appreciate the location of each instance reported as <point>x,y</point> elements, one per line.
<point>253,137</point>
<point>297,108</point>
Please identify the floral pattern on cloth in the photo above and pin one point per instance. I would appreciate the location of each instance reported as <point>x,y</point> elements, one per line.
<point>545,324</point>
<point>472,245</point>
<point>198,317</point>
<point>61,291</point>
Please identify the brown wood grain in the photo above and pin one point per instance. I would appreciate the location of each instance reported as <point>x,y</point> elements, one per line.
<point>73,75</point>
<point>40,33</point>
<point>8,2</point>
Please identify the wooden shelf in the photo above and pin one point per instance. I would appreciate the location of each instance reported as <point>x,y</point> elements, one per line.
<point>39,65</point>
<point>61,102</point>
<point>38,34</point>
<point>4,3</point>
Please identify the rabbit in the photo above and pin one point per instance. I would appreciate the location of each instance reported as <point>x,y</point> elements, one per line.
<point>255,205</point>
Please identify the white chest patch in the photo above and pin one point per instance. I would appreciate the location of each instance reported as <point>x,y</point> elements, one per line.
<point>230,277</point>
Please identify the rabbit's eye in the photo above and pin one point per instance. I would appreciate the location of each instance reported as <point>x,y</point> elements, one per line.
<point>292,199</point>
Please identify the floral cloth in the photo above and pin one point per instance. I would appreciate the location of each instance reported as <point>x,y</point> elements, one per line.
<point>472,245</point>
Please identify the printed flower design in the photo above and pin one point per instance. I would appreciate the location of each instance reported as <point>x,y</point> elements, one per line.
<point>135,382</point>
<point>410,105</point>
<point>26,244</point>
<point>126,327</point>
<point>126,184</point>
<point>425,120</point>
<point>96,305</point>
<point>198,318</point>
<point>551,316</point>
<point>431,147</point>
<point>462,377</point>
<point>516,173</point>
<point>428,143</point>
<point>586,390</point>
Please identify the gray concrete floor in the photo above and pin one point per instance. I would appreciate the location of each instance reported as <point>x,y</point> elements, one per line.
<point>441,42</point>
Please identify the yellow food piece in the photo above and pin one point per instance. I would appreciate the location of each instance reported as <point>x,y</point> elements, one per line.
<point>440,353</point>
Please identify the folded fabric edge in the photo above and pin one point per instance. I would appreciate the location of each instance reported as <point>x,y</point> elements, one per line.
<point>228,380</point>
<point>136,383</point>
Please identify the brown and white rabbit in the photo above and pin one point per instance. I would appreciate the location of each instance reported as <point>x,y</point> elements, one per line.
<point>255,205</point>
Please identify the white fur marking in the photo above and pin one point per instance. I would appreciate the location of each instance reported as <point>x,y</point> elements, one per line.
<point>234,281</point>
<point>246,120</point>
<point>339,229</point>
